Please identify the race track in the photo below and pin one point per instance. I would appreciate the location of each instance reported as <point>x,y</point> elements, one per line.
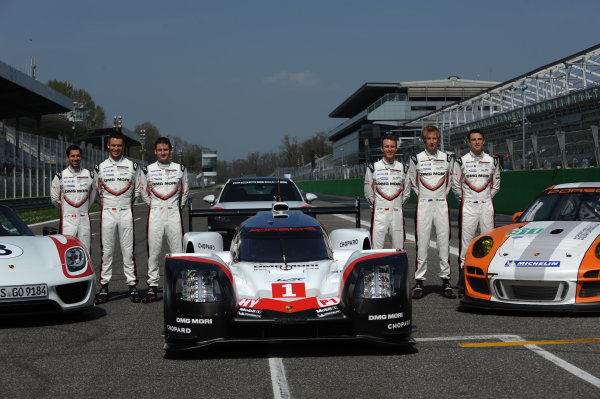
<point>116,350</point>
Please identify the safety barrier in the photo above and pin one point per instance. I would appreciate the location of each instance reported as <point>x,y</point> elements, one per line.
<point>517,190</point>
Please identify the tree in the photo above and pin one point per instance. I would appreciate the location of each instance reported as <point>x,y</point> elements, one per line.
<point>95,117</point>
<point>290,151</point>
<point>316,147</point>
<point>152,133</point>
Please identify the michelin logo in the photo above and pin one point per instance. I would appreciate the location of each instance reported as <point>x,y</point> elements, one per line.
<point>532,263</point>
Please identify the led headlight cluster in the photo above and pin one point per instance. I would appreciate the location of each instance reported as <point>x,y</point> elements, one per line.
<point>75,259</point>
<point>199,286</point>
<point>482,246</point>
<point>376,282</point>
<point>598,251</point>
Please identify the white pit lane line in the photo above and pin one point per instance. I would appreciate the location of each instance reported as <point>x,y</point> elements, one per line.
<point>576,371</point>
<point>281,390</point>
<point>409,237</point>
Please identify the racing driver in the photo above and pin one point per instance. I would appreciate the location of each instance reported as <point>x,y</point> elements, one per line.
<point>386,189</point>
<point>429,172</point>
<point>475,181</point>
<point>164,188</point>
<point>117,183</point>
<point>73,192</point>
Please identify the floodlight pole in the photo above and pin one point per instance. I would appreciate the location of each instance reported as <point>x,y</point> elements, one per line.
<point>522,90</point>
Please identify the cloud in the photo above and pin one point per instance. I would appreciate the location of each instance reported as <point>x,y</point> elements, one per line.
<point>299,79</point>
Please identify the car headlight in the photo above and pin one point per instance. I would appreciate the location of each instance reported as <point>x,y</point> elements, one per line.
<point>199,286</point>
<point>598,251</point>
<point>376,282</point>
<point>75,259</point>
<point>482,246</point>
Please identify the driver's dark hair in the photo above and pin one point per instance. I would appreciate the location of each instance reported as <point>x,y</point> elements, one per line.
<point>116,135</point>
<point>389,137</point>
<point>476,130</point>
<point>73,147</point>
<point>163,140</point>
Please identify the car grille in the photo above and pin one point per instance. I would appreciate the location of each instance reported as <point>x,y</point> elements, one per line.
<point>590,289</point>
<point>539,291</point>
<point>479,285</point>
<point>74,292</point>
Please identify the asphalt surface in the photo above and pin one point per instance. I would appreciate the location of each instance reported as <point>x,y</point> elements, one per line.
<point>116,350</point>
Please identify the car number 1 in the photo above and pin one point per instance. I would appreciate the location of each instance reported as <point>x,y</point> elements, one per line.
<point>288,290</point>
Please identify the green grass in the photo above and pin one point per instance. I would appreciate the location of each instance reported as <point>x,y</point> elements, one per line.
<point>43,215</point>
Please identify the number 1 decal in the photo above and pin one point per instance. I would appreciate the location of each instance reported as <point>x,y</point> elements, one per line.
<point>288,290</point>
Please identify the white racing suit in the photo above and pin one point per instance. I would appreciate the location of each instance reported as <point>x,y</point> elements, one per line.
<point>475,181</point>
<point>73,192</point>
<point>164,188</point>
<point>386,189</point>
<point>430,178</point>
<point>117,184</point>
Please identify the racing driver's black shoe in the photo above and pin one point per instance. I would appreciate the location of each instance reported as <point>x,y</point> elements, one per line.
<point>447,289</point>
<point>102,296</point>
<point>134,294</point>
<point>417,292</point>
<point>151,295</point>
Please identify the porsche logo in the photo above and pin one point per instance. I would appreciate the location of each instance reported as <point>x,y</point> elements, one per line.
<point>289,307</point>
<point>11,266</point>
<point>536,254</point>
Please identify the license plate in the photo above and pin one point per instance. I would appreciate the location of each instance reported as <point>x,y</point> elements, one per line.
<point>23,291</point>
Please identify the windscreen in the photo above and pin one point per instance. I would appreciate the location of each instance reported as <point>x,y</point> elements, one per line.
<point>579,204</point>
<point>294,244</point>
<point>11,224</point>
<point>259,190</point>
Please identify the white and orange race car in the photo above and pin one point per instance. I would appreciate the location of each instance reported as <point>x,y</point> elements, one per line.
<point>548,259</point>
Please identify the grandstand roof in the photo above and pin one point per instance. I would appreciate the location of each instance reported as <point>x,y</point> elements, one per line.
<point>367,94</point>
<point>21,95</point>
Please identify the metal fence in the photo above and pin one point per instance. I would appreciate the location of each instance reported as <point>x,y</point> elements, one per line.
<point>29,162</point>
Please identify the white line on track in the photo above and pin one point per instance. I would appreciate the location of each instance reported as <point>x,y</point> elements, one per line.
<point>409,237</point>
<point>281,389</point>
<point>576,371</point>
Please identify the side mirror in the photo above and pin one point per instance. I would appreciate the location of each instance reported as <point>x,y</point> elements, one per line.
<point>210,199</point>
<point>516,216</point>
<point>49,230</point>
<point>310,197</point>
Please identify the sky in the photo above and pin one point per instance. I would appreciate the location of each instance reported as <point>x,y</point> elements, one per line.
<point>237,76</point>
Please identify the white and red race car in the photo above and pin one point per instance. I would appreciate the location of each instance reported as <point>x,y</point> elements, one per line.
<point>549,259</point>
<point>285,279</point>
<point>53,273</point>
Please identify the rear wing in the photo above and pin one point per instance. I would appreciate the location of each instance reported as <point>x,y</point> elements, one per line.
<point>311,210</point>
